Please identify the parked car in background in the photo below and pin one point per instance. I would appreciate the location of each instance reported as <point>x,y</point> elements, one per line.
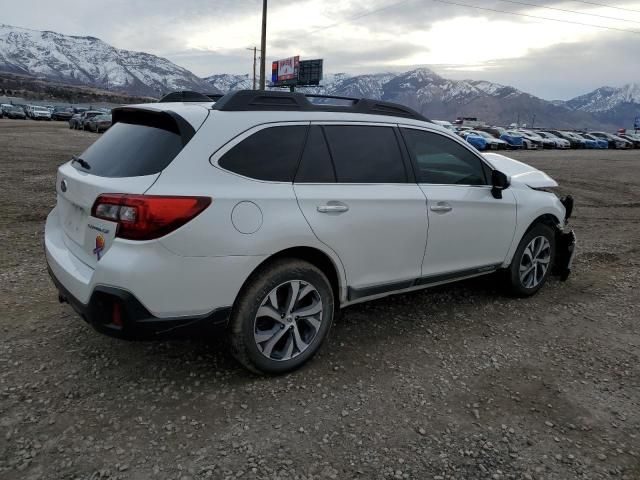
<point>494,131</point>
<point>574,142</point>
<point>80,109</point>
<point>540,140</point>
<point>62,113</point>
<point>15,112</point>
<point>86,116</point>
<point>21,106</point>
<point>493,143</point>
<point>513,139</point>
<point>634,138</point>
<point>599,142</point>
<point>614,140</point>
<point>98,123</point>
<point>74,121</point>
<point>559,142</point>
<point>478,141</point>
<point>40,113</point>
<point>446,124</point>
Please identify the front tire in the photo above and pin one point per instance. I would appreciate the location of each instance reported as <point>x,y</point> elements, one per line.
<point>532,262</point>
<point>281,317</point>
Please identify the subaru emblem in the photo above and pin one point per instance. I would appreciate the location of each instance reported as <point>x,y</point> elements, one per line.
<point>63,186</point>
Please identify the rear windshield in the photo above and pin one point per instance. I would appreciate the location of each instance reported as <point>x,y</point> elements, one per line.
<point>131,150</point>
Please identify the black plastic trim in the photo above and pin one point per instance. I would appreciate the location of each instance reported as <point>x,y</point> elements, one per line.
<point>259,100</point>
<point>138,322</point>
<point>185,96</point>
<point>166,120</point>
<point>358,293</point>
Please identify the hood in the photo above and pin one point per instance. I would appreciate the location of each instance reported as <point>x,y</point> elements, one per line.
<point>520,172</point>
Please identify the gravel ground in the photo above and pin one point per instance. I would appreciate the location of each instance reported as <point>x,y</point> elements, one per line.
<point>457,382</point>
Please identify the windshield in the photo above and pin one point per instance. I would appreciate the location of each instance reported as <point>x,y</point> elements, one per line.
<point>40,109</point>
<point>485,135</point>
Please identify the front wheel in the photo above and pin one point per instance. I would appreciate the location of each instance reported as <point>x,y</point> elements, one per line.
<point>281,317</point>
<point>532,262</point>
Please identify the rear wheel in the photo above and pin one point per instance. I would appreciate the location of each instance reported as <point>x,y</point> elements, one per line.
<point>532,262</point>
<point>281,317</point>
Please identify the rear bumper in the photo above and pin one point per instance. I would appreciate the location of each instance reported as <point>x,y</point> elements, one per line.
<point>117,312</point>
<point>155,289</point>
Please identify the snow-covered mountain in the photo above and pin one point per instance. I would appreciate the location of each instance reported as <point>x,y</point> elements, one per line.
<point>90,61</point>
<point>606,98</point>
<point>441,98</point>
<point>226,82</point>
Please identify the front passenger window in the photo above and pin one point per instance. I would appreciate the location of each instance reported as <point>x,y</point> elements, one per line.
<point>441,160</point>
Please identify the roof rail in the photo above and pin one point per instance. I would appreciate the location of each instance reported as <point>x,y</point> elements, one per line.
<point>267,100</point>
<point>185,96</point>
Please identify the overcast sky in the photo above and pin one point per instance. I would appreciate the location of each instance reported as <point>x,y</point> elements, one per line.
<point>550,59</point>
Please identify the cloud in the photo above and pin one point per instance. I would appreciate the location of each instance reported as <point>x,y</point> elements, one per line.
<point>548,58</point>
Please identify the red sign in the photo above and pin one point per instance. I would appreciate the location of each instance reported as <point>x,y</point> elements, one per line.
<point>285,70</point>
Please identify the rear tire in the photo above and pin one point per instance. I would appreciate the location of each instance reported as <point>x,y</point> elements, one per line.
<point>532,263</point>
<point>281,317</point>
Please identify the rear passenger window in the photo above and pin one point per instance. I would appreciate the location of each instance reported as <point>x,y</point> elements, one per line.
<point>315,166</point>
<point>363,154</point>
<point>269,154</point>
<point>443,161</point>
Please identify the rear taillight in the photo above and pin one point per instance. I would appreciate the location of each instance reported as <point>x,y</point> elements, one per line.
<point>145,217</point>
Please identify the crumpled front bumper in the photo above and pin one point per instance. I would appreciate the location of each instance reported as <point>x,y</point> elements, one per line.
<point>565,253</point>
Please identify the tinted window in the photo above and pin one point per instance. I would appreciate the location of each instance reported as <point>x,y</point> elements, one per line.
<point>441,160</point>
<point>269,154</point>
<point>364,154</point>
<point>316,166</point>
<point>130,150</point>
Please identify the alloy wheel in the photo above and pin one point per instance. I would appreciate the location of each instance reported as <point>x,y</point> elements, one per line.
<point>535,262</point>
<point>288,320</point>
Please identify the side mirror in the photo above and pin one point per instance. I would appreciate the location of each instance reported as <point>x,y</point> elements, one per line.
<point>499,182</point>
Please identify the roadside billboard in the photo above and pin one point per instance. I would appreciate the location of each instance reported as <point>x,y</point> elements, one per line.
<point>285,71</point>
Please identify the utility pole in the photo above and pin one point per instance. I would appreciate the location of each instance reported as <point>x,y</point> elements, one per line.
<point>254,66</point>
<point>263,44</point>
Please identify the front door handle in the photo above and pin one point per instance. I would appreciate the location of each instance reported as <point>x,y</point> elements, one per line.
<point>441,207</point>
<point>332,208</point>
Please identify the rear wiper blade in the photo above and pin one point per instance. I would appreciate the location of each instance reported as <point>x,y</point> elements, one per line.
<point>83,163</point>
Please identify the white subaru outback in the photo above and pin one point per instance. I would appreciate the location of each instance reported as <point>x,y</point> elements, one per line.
<point>265,212</point>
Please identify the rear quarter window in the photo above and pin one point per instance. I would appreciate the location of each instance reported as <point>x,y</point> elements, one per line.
<point>270,154</point>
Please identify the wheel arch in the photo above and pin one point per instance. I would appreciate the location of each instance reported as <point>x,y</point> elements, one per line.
<point>314,256</point>
<point>547,218</point>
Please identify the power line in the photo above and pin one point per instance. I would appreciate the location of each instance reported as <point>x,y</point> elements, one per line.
<point>569,11</point>
<point>637,32</point>
<point>608,6</point>
<point>360,15</point>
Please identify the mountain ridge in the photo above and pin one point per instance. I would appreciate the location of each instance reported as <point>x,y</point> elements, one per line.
<point>89,61</point>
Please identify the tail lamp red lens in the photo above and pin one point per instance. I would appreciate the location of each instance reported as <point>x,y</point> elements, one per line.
<point>145,217</point>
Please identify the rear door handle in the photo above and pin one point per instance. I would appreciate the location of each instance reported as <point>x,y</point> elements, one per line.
<point>332,208</point>
<point>441,207</point>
